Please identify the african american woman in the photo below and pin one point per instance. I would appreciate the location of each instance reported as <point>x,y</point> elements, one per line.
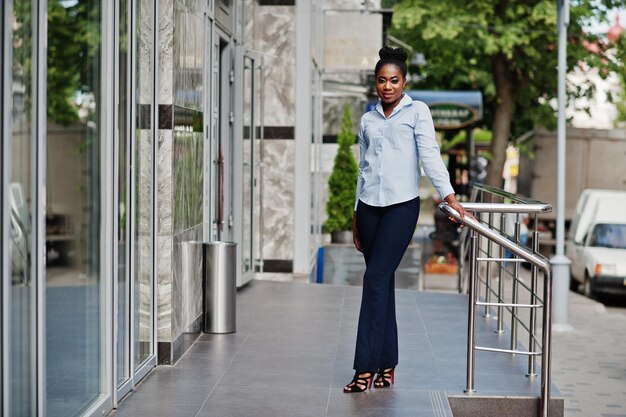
<point>393,138</point>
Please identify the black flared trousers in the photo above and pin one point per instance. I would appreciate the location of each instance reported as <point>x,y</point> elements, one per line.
<point>385,233</point>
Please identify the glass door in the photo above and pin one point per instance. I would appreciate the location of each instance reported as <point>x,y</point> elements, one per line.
<point>135,316</point>
<point>18,178</point>
<point>251,165</point>
<point>215,188</point>
<point>222,141</point>
<point>123,189</point>
<point>75,235</point>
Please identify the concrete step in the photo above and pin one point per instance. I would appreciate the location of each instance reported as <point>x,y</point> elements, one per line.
<point>499,406</point>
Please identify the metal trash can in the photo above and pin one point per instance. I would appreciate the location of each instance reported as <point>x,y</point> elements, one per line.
<point>220,286</point>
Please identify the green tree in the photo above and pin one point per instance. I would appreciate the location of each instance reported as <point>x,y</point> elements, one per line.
<point>342,181</point>
<point>505,49</point>
<point>73,56</point>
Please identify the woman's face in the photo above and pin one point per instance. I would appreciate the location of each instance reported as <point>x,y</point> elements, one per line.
<point>389,83</point>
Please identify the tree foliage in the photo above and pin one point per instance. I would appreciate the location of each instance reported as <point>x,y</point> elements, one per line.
<point>73,56</point>
<point>508,50</point>
<point>342,181</point>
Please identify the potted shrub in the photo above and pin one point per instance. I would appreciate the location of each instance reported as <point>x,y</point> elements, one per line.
<point>342,185</point>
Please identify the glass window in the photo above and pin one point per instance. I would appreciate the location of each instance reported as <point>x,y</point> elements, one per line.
<point>74,284</point>
<point>123,189</point>
<point>21,211</point>
<point>609,236</point>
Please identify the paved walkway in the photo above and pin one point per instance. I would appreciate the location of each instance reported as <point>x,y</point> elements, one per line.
<point>293,352</point>
<point>589,362</point>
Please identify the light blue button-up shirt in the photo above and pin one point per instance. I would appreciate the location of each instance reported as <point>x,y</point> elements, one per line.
<point>391,147</point>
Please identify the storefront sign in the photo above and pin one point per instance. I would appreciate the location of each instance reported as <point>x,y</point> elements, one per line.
<point>451,116</point>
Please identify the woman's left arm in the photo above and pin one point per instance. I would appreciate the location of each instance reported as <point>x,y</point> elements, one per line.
<point>430,156</point>
<point>429,153</point>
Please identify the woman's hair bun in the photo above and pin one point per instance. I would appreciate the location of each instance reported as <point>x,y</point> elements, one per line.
<point>396,54</point>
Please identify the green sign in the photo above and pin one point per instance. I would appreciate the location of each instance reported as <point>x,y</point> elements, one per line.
<point>452,116</point>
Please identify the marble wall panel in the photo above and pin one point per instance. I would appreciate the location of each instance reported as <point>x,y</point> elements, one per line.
<point>145,38</point>
<point>176,296</point>
<point>278,199</point>
<point>143,188</point>
<point>166,51</point>
<point>143,209</point>
<point>143,254</point>
<point>188,58</point>
<point>274,34</point>
<point>164,183</point>
<point>280,94</point>
<point>196,6</point>
<point>179,161</point>
<point>164,288</point>
<point>251,13</point>
<point>187,179</point>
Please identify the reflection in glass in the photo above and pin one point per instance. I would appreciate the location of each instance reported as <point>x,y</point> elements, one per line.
<point>20,194</point>
<point>142,192</point>
<point>123,290</point>
<point>73,211</point>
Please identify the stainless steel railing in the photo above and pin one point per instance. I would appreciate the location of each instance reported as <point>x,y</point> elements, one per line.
<point>488,224</point>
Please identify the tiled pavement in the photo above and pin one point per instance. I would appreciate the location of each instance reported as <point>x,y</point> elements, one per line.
<point>589,362</point>
<point>293,352</point>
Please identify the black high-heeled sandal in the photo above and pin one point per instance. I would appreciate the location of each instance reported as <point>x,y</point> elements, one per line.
<point>385,378</point>
<point>359,383</point>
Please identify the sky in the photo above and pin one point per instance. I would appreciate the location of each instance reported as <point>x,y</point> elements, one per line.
<point>602,28</point>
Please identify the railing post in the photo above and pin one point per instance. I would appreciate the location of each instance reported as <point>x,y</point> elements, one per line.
<point>546,344</point>
<point>515,289</point>
<point>488,273</point>
<point>461,263</point>
<point>532,342</point>
<point>471,314</point>
<point>501,284</point>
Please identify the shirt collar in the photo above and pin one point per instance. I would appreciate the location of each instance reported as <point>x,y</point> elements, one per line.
<point>405,101</point>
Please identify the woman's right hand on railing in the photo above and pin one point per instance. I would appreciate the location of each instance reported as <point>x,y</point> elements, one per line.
<point>453,203</point>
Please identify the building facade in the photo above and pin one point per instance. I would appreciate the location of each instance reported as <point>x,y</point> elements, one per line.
<point>132,129</point>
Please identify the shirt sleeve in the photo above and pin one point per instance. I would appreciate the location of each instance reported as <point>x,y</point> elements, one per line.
<point>362,149</point>
<point>429,153</point>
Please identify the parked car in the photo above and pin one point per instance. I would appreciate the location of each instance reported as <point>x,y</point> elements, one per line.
<point>597,242</point>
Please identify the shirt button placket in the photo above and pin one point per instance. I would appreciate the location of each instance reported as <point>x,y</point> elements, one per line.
<point>380,165</point>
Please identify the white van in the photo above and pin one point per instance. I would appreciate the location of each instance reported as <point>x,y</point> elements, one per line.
<point>597,242</point>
